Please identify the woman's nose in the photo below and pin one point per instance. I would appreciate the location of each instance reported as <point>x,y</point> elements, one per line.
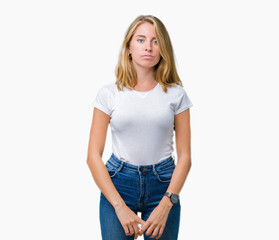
<point>147,46</point>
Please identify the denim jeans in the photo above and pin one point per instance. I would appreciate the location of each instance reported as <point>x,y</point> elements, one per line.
<point>142,188</point>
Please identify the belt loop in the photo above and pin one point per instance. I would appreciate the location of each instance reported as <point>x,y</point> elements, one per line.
<point>120,167</point>
<point>139,170</point>
<point>154,169</point>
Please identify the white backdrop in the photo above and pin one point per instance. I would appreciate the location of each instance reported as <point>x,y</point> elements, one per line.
<point>54,57</point>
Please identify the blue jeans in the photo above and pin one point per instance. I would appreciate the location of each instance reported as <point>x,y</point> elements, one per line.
<point>142,188</point>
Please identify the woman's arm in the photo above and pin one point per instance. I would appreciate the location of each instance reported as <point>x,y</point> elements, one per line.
<point>156,222</point>
<point>183,149</point>
<point>97,139</point>
<point>101,176</point>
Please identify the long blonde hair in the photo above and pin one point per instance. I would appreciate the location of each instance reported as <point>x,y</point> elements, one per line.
<point>165,71</point>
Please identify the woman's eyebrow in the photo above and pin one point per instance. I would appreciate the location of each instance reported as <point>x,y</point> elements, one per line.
<point>143,36</point>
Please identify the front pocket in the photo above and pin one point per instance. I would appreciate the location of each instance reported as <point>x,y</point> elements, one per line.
<point>109,166</point>
<point>165,175</point>
<point>111,170</point>
<point>171,164</point>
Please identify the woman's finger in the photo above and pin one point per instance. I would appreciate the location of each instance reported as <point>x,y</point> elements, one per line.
<point>140,221</point>
<point>150,229</point>
<point>160,232</point>
<point>144,227</point>
<point>136,228</point>
<point>126,229</point>
<point>155,232</point>
<point>131,230</point>
<point>140,224</point>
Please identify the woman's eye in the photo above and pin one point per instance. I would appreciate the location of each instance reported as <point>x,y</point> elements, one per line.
<point>141,40</point>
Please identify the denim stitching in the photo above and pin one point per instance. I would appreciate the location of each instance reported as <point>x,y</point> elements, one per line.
<point>113,163</point>
<point>109,166</point>
<point>158,177</point>
<point>163,167</point>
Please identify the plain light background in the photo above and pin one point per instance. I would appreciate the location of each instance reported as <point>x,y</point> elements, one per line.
<point>54,57</point>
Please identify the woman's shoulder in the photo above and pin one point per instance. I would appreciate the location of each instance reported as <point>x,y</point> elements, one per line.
<point>175,89</point>
<point>177,93</point>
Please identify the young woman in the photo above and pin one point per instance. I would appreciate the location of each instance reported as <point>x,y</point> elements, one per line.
<point>144,107</point>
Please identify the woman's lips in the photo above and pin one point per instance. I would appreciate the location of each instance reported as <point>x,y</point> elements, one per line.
<point>148,56</point>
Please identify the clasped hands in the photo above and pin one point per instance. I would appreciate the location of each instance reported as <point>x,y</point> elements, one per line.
<point>154,225</point>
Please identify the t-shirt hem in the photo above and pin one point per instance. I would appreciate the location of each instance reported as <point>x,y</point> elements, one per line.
<point>100,107</point>
<point>182,109</point>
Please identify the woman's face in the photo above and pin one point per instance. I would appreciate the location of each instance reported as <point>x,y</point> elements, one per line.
<point>144,43</point>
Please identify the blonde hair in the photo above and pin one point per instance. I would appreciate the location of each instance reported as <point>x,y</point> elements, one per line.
<point>165,71</point>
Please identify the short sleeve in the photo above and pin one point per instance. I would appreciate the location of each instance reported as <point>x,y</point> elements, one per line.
<point>183,102</point>
<point>102,100</point>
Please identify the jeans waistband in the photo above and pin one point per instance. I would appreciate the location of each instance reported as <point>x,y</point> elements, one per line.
<point>120,164</point>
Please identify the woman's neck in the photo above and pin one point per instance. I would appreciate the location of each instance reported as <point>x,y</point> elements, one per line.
<point>145,77</point>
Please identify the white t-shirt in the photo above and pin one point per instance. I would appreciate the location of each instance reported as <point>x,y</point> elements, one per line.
<point>142,123</point>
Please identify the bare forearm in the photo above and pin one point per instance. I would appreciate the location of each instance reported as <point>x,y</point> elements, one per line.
<point>178,179</point>
<point>103,181</point>
<point>179,175</point>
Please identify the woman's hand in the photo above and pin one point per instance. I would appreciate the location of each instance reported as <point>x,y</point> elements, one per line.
<point>157,219</point>
<point>129,220</point>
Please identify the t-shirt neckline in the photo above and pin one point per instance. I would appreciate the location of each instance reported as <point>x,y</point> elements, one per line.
<point>146,91</point>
